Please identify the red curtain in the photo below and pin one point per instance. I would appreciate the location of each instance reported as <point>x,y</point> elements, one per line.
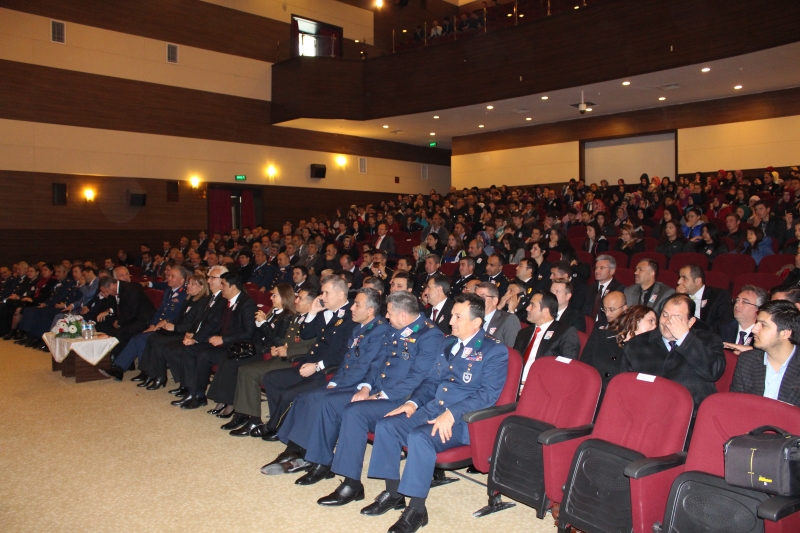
<point>248,211</point>
<point>219,210</point>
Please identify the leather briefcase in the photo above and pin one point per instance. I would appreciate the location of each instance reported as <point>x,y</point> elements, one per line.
<point>762,461</point>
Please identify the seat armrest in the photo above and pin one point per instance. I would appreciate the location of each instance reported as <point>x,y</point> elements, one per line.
<point>296,358</point>
<point>554,436</point>
<point>489,412</point>
<point>331,370</point>
<point>778,507</point>
<point>653,465</point>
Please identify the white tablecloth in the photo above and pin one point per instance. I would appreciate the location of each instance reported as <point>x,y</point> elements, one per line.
<point>92,351</point>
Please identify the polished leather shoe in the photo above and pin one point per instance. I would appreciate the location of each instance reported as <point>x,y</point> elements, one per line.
<point>8,336</point>
<point>194,402</point>
<point>43,348</point>
<point>245,430</point>
<point>222,413</point>
<point>343,495</point>
<point>238,421</point>
<point>315,475</point>
<point>180,401</point>
<point>177,391</point>
<point>276,466</point>
<point>216,411</point>
<point>113,372</point>
<point>384,503</point>
<point>24,339</point>
<point>141,377</point>
<point>146,383</point>
<point>31,342</point>
<point>259,431</point>
<point>270,435</point>
<point>157,383</point>
<point>410,521</point>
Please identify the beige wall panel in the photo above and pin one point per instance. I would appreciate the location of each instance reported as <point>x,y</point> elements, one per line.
<point>752,144</point>
<point>26,38</point>
<point>519,166</point>
<point>73,150</point>
<point>356,23</point>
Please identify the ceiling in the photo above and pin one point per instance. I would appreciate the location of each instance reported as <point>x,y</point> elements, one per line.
<point>762,71</point>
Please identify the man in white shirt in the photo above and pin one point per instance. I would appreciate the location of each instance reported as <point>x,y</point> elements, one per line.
<point>737,334</point>
<point>499,324</point>
<point>437,291</point>
<point>712,306</point>
<point>604,269</point>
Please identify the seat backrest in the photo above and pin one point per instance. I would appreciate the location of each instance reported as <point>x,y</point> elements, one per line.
<point>644,413</point>
<point>660,259</point>
<point>576,231</point>
<point>448,269</point>
<point>650,244</point>
<point>734,264</point>
<point>553,256</point>
<point>560,391</point>
<point>728,414</point>
<point>155,296</point>
<point>625,276</point>
<point>621,258</point>
<point>510,271</point>
<point>133,270</point>
<point>772,263</point>
<point>576,242</point>
<point>513,378</point>
<point>719,280</point>
<point>589,325</point>
<point>759,279</point>
<point>724,383</point>
<point>583,338</point>
<point>668,277</point>
<point>680,260</point>
<point>584,257</point>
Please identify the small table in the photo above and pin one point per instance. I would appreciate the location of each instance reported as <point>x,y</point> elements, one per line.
<point>91,356</point>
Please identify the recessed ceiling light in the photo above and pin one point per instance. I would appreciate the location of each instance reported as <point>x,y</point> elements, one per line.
<point>435,116</point>
<point>521,15</point>
<point>489,107</point>
<point>480,125</point>
<point>545,97</point>
<point>577,7</point>
<point>626,83</point>
<point>588,109</point>
<point>662,97</point>
<point>529,118</point>
<point>386,126</point>
<point>705,69</point>
<point>356,40</point>
<point>405,31</point>
<point>737,87</point>
<point>509,14</point>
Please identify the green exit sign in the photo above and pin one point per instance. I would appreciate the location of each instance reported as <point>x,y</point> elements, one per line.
<point>241,177</point>
<point>432,144</point>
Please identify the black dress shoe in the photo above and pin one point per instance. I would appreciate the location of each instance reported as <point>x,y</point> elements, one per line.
<point>216,411</point>
<point>157,383</point>
<point>276,466</point>
<point>343,495</point>
<point>194,402</point>
<point>23,339</point>
<point>180,401</point>
<point>113,372</point>
<point>270,435</point>
<point>31,342</point>
<point>43,348</point>
<point>146,383</point>
<point>384,503</point>
<point>8,336</point>
<point>410,521</point>
<point>238,421</point>
<point>245,430</point>
<point>222,413</point>
<point>259,431</point>
<point>141,377</point>
<point>177,391</point>
<point>315,475</point>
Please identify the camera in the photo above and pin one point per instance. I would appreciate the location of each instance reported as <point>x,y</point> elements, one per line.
<point>582,108</point>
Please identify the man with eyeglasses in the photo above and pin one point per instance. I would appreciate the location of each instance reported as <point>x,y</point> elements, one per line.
<point>602,350</point>
<point>604,269</point>
<point>737,334</point>
<point>499,324</point>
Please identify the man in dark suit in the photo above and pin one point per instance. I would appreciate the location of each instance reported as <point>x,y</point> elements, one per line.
<point>263,273</point>
<point>313,260</point>
<point>300,279</point>
<point>384,241</point>
<point>237,324</point>
<point>689,356</point>
<point>602,350</point>
<point>129,316</point>
<point>604,269</point>
<point>500,324</point>
<point>647,291</point>
<point>475,251</point>
<point>348,265</point>
<point>431,266</point>
<point>772,369</point>
<point>202,243</point>
<point>545,336</point>
<point>440,305</point>
<point>737,334</point>
<point>494,274</point>
<point>712,305</point>
<point>465,273</point>
<point>567,313</point>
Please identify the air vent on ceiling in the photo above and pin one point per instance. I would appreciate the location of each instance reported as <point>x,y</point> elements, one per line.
<point>520,111</point>
<point>172,53</point>
<point>668,87</point>
<point>424,172</point>
<point>362,165</point>
<point>58,32</point>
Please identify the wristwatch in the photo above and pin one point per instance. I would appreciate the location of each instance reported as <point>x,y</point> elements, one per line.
<point>317,368</point>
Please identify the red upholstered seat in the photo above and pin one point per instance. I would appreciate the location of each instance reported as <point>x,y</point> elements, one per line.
<point>134,270</point>
<point>724,383</point>
<point>510,271</point>
<point>448,269</point>
<point>734,264</point>
<point>577,232</point>
<point>720,280</point>
<point>772,263</point>
<point>660,259</point>
<point>584,257</point>
<point>583,338</point>
<point>553,256</point>
<point>680,260</point>
<point>625,276</point>
<point>650,244</point>
<point>667,277</point>
<point>765,281</point>
<point>621,258</point>
<point>155,296</point>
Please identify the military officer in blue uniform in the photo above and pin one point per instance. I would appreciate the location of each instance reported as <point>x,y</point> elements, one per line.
<point>263,273</point>
<point>168,311</point>
<point>415,344</point>
<point>364,346</point>
<point>469,374</point>
<point>36,320</point>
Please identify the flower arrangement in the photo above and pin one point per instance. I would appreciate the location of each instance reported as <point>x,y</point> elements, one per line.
<point>69,326</point>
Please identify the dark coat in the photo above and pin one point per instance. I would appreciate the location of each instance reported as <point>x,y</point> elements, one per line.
<point>210,321</point>
<point>574,318</point>
<point>443,319</point>
<point>191,314</point>
<point>716,306</point>
<point>604,354</point>
<point>728,332</point>
<point>331,344</point>
<point>134,306</point>
<point>242,320</point>
<point>751,372</point>
<point>563,341</point>
<point>591,295</point>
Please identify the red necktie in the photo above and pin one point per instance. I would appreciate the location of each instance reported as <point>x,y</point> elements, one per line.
<point>530,345</point>
<point>435,312</point>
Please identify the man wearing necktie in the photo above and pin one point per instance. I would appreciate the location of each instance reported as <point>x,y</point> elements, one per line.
<point>712,305</point>
<point>737,334</point>
<point>604,269</point>
<point>688,356</point>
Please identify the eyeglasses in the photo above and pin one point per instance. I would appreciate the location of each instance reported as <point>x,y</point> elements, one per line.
<point>610,309</point>
<point>738,300</point>
<point>213,277</point>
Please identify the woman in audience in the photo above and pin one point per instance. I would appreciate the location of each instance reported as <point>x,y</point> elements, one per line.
<point>756,245</point>
<point>622,217</point>
<point>629,242</point>
<point>791,245</point>
<point>433,244</point>
<point>693,225</point>
<point>511,249</point>
<point>595,243</point>
<point>557,241</point>
<point>711,244</point>
<point>420,253</point>
<point>605,229</point>
<point>542,272</point>
<point>272,329</point>
<point>349,248</point>
<point>357,233</point>
<point>454,250</point>
<point>634,321</point>
<point>672,240</point>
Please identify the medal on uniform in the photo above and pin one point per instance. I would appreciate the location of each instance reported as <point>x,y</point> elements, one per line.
<point>467,377</point>
<point>491,331</point>
<point>466,353</point>
<point>297,338</point>
<point>340,314</point>
<point>548,335</point>
<point>406,332</point>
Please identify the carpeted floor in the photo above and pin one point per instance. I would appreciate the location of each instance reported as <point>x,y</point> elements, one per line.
<point>108,456</point>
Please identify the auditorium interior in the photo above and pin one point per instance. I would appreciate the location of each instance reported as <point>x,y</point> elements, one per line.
<point>604,164</point>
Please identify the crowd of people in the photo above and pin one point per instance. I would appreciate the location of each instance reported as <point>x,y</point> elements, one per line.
<point>360,336</point>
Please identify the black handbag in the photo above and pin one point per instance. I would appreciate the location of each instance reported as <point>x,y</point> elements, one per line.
<point>766,462</point>
<point>241,350</point>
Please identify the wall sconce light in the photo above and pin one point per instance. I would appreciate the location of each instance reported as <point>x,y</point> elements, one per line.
<point>272,171</point>
<point>341,161</point>
<point>88,194</point>
<point>195,181</point>
<point>379,3</point>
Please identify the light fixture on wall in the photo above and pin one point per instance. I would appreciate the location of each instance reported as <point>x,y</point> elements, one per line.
<point>271,171</point>
<point>379,3</point>
<point>195,181</point>
<point>341,161</point>
<point>88,194</point>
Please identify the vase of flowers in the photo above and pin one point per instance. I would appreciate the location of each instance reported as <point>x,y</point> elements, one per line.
<point>69,327</point>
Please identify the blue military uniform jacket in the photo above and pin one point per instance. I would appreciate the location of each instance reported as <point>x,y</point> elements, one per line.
<point>84,294</point>
<point>331,337</point>
<point>411,353</point>
<point>171,305</point>
<point>63,292</point>
<point>263,275</point>
<point>282,275</point>
<point>464,382</point>
<point>366,344</point>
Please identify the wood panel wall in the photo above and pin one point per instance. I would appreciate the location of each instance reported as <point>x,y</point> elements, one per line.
<point>722,111</point>
<point>55,96</point>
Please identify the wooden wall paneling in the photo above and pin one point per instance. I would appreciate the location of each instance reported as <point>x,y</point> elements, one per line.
<point>56,96</point>
<point>722,111</point>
